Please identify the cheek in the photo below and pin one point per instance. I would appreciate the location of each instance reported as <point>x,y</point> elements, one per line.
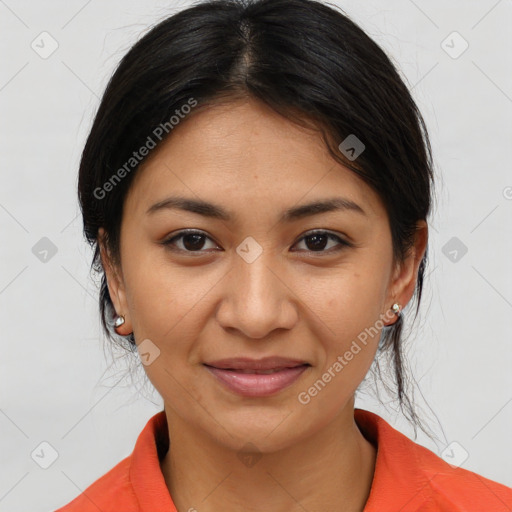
<point>345,353</point>
<point>167,310</point>
<point>160,295</point>
<point>345,303</point>
<point>154,304</point>
<point>347,309</point>
<point>168,306</point>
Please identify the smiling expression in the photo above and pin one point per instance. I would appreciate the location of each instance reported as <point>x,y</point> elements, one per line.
<point>241,237</point>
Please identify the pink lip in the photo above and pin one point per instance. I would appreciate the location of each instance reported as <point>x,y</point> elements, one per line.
<point>246,363</point>
<point>233,374</point>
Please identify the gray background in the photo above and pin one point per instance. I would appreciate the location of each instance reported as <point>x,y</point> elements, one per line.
<point>60,385</point>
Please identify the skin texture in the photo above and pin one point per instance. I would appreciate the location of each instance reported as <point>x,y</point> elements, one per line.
<point>292,301</point>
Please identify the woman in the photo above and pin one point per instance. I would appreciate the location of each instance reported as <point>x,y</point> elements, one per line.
<point>256,186</point>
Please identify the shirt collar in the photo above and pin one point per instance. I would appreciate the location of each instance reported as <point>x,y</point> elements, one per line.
<point>398,483</point>
<point>397,479</point>
<point>145,472</point>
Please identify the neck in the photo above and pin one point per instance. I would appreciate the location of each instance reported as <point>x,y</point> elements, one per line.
<point>330,470</point>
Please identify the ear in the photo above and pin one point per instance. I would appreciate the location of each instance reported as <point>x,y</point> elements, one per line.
<point>404,280</point>
<point>115,284</point>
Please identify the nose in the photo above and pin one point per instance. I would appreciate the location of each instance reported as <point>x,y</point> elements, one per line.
<point>257,298</point>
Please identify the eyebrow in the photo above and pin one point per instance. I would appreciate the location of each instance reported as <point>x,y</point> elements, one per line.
<point>295,213</point>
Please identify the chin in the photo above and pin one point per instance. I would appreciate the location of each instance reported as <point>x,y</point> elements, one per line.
<point>269,430</point>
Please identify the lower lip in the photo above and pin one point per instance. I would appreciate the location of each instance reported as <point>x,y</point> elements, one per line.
<point>252,384</point>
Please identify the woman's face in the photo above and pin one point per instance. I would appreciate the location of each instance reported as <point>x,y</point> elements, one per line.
<point>252,281</point>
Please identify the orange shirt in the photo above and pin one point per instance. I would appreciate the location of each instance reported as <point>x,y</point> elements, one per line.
<point>407,478</point>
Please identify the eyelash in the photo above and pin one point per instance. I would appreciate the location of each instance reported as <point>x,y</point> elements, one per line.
<point>169,242</point>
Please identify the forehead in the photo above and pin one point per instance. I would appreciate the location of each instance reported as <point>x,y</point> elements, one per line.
<point>245,153</point>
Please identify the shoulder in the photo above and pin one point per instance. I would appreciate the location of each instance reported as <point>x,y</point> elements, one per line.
<point>458,489</point>
<point>410,477</point>
<point>107,493</point>
<point>136,479</point>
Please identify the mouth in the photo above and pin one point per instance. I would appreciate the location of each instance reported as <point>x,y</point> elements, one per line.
<point>248,365</point>
<point>257,372</point>
<point>257,378</point>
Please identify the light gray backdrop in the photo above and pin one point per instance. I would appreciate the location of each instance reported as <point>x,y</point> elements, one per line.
<point>56,382</point>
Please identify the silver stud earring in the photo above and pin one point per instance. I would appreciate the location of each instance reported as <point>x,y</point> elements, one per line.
<point>396,308</point>
<point>119,321</point>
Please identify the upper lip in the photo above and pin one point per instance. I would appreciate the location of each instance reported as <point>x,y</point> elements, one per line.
<point>267,363</point>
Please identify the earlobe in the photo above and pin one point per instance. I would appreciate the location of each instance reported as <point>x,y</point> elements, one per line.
<point>115,288</point>
<point>406,273</point>
<point>395,310</point>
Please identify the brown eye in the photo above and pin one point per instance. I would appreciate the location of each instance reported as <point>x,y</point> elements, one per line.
<point>319,240</point>
<point>188,241</point>
<point>192,241</point>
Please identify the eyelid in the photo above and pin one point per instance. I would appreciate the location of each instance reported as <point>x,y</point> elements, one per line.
<point>168,241</point>
<point>342,241</point>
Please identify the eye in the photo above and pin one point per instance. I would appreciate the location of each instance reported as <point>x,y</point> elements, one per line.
<point>193,241</point>
<point>316,241</point>
<point>189,241</point>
